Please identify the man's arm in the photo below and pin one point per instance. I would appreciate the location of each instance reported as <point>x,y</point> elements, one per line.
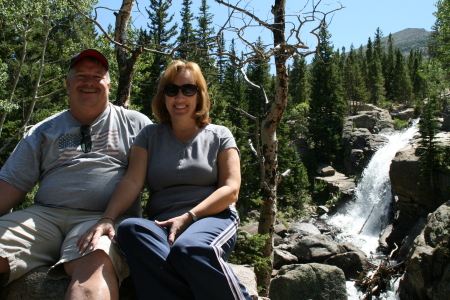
<point>9,197</point>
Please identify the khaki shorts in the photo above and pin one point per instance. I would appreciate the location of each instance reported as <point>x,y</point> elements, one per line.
<point>40,236</point>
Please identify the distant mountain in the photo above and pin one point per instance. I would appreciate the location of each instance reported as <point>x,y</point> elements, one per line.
<point>410,38</point>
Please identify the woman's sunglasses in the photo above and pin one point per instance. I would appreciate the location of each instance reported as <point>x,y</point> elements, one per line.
<point>189,90</point>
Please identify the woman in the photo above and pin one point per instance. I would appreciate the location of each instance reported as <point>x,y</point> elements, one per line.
<point>193,172</point>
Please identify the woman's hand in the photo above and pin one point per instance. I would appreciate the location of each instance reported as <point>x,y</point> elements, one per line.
<point>177,226</point>
<point>90,238</point>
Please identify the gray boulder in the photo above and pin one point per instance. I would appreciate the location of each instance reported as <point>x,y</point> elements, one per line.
<point>352,263</point>
<point>315,248</point>
<point>427,273</point>
<point>304,229</point>
<point>308,281</point>
<point>405,114</point>
<point>282,258</point>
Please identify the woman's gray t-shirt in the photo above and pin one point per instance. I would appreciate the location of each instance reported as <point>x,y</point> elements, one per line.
<point>180,175</point>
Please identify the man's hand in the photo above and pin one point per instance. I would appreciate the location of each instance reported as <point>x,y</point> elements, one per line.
<point>90,238</point>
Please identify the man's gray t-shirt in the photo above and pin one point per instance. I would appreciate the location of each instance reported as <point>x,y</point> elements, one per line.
<point>50,155</point>
<point>180,176</point>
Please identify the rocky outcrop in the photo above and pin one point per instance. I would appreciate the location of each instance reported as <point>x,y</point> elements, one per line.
<point>415,195</point>
<point>36,285</point>
<point>338,184</point>
<point>308,281</point>
<point>360,138</point>
<point>404,114</point>
<point>427,274</point>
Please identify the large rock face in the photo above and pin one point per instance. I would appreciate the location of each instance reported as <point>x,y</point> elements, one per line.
<point>308,281</point>
<point>427,274</point>
<point>415,196</point>
<point>360,139</point>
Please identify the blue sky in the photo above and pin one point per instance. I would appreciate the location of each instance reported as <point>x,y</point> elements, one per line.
<point>352,25</point>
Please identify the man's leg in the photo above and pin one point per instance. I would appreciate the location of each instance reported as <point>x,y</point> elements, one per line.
<point>93,277</point>
<point>29,238</point>
<point>4,265</point>
<point>96,274</point>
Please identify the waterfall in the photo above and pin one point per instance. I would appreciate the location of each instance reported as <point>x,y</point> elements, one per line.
<point>362,220</point>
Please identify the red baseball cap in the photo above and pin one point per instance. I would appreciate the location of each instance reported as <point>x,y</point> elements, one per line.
<point>89,53</point>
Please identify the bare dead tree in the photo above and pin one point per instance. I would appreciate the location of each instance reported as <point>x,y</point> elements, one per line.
<point>286,43</point>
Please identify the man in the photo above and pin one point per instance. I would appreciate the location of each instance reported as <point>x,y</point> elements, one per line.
<point>77,157</point>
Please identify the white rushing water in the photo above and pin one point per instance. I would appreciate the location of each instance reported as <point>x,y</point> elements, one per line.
<point>364,219</point>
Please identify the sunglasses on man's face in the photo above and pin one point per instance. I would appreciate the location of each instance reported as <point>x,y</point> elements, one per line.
<point>86,143</point>
<point>189,90</point>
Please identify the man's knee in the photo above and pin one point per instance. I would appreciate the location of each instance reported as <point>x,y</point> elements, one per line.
<point>86,266</point>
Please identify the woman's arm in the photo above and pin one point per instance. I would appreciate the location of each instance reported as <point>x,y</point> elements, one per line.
<point>229,182</point>
<point>228,185</point>
<point>126,192</point>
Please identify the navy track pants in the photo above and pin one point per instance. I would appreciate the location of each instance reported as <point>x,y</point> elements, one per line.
<point>193,268</point>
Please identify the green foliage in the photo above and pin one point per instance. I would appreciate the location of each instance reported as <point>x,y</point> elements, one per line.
<point>327,105</point>
<point>320,193</point>
<point>249,250</point>
<point>433,157</point>
<point>400,124</point>
<point>28,200</point>
<point>441,35</point>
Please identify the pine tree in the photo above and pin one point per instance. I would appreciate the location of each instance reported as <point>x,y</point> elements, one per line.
<point>401,88</point>
<point>388,69</point>
<point>354,85</point>
<point>204,35</point>
<point>375,80</point>
<point>158,37</point>
<point>441,33</point>
<point>327,105</point>
<point>299,87</point>
<point>378,44</point>
<point>431,154</point>
<point>187,34</point>
<point>415,61</point>
<point>299,97</point>
<point>234,94</point>
<point>259,73</point>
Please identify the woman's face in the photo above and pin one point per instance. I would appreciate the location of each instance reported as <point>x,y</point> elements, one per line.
<point>180,105</point>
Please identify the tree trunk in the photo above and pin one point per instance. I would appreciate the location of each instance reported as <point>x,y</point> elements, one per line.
<point>38,80</point>
<point>125,63</point>
<point>270,145</point>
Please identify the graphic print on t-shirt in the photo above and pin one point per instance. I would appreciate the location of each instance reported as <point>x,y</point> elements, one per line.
<point>106,142</point>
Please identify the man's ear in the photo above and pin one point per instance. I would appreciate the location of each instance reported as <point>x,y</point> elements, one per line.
<point>67,83</point>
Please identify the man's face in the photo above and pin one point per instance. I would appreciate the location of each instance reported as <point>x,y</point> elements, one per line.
<point>88,85</point>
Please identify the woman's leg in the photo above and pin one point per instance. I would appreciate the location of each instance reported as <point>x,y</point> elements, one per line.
<point>199,255</point>
<point>146,249</point>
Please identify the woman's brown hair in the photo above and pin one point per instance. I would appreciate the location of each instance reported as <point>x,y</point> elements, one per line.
<point>202,109</point>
